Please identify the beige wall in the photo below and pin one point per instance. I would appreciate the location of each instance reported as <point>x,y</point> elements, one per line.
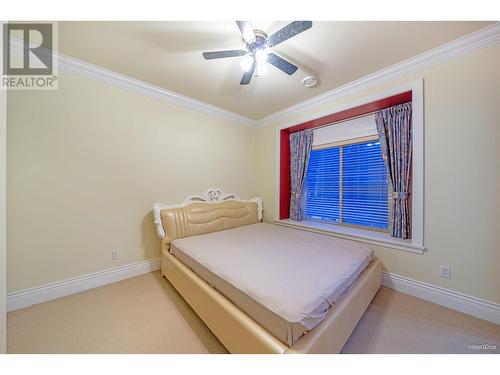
<point>462,174</point>
<point>85,163</point>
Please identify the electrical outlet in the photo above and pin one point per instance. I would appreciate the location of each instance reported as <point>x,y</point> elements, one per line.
<point>114,254</point>
<point>445,271</point>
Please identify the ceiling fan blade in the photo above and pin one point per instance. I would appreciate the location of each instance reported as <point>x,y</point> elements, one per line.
<point>247,76</point>
<point>246,31</point>
<point>224,54</point>
<point>288,31</point>
<point>281,64</point>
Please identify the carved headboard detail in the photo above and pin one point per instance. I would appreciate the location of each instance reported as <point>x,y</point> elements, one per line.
<point>198,210</point>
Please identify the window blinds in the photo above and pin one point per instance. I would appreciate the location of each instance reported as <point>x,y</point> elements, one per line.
<point>348,185</point>
<point>322,185</point>
<point>345,131</point>
<point>364,185</point>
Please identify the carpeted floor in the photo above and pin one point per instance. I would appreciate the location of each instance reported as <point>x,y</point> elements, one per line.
<point>146,315</point>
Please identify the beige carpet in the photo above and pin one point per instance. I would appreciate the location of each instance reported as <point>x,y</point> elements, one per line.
<point>140,315</point>
<point>146,315</point>
<point>398,323</point>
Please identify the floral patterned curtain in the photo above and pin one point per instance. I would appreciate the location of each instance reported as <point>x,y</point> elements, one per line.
<point>394,128</point>
<point>300,150</point>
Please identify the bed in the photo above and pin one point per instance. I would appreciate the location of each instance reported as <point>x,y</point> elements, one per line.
<point>264,288</point>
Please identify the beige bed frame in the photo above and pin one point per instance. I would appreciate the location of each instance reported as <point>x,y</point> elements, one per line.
<point>237,331</point>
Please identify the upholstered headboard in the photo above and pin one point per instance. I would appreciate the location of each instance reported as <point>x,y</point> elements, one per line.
<point>210,212</point>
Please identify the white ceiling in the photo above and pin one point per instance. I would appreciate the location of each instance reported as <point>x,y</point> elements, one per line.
<point>169,55</point>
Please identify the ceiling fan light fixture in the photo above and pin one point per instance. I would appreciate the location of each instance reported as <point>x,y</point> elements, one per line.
<point>261,55</point>
<point>261,68</point>
<point>246,63</point>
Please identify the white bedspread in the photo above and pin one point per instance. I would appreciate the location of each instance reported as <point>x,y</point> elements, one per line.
<point>285,278</point>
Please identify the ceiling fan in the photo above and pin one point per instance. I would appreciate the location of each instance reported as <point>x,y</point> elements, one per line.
<point>258,52</point>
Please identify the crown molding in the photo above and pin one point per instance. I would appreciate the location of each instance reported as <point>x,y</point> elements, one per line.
<point>88,70</point>
<point>84,69</point>
<point>475,41</point>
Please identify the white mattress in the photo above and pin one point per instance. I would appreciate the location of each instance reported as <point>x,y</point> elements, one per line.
<point>285,279</point>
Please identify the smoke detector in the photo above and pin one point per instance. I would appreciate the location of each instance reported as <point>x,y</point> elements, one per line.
<point>310,81</point>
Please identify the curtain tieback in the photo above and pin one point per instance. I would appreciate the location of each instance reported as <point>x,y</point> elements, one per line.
<point>400,194</point>
<point>296,194</point>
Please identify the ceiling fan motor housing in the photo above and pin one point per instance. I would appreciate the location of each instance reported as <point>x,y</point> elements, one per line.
<point>260,41</point>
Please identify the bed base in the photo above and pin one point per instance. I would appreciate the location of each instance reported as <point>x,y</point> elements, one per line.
<point>241,334</point>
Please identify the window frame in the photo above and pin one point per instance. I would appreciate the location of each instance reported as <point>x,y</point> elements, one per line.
<point>350,110</point>
<point>341,144</point>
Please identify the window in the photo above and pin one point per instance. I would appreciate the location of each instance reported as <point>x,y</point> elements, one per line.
<point>411,91</point>
<point>347,184</point>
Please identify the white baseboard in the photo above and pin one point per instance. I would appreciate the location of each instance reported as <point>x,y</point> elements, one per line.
<point>27,297</point>
<point>464,303</point>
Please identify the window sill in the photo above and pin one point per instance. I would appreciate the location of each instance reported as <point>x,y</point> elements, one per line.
<point>367,236</point>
